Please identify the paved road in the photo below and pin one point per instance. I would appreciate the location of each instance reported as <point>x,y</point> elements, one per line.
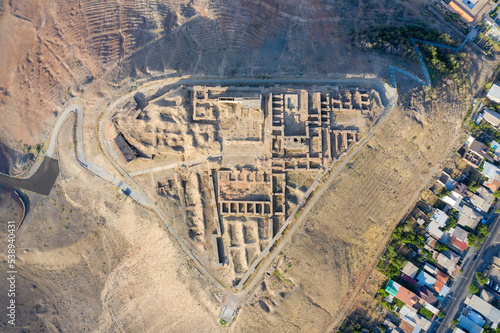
<point>475,260</point>
<point>41,182</point>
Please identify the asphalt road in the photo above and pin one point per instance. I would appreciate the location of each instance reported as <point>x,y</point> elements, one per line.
<point>41,182</point>
<point>476,260</point>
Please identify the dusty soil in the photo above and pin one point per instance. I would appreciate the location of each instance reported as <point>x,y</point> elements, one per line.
<point>342,236</point>
<point>54,49</point>
<point>90,259</point>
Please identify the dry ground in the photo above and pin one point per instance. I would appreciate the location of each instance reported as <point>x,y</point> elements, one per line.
<point>335,247</point>
<point>89,259</point>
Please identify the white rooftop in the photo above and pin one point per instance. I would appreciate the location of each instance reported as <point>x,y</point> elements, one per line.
<point>485,309</point>
<point>494,93</point>
<point>440,217</point>
<point>433,229</point>
<point>491,117</point>
<point>469,217</point>
<point>489,170</point>
<point>453,200</point>
<point>426,279</point>
<point>410,270</point>
<point>444,291</point>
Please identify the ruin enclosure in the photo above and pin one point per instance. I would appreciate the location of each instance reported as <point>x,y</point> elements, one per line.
<point>235,161</point>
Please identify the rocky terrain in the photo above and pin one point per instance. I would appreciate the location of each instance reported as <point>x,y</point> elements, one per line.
<point>91,260</point>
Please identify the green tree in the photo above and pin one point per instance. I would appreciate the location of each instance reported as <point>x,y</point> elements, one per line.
<point>473,288</point>
<point>440,247</point>
<point>399,262</point>
<point>481,278</point>
<point>383,293</point>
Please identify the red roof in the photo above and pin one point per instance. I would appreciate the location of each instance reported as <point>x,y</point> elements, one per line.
<point>407,297</point>
<point>457,243</point>
<point>441,279</point>
<point>438,286</point>
<point>461,12</point>
<point>494,185</point>
<point>407,326</point>
<point>440,276</point>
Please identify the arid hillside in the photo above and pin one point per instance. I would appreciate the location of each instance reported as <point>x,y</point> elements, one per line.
<point>91,259</point>
<point>53,50</point>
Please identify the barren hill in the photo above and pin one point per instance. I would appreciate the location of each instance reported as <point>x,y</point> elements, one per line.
<point>89,258</point>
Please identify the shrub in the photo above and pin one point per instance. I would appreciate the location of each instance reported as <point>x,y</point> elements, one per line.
<point>473,288</point>
<point>481,279</point>
<point>425,313</point>
<point>440,247</point>
<point>399,303</point>
<point>383,293</point>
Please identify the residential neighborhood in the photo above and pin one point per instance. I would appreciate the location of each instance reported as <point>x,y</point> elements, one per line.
<point>428,263</point>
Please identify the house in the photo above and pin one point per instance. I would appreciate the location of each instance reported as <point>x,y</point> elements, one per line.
<point>392,288</point>
<point>440,285</point>
<point>446,181</point>
<point>490,171</point>
<point>448,262</point>
<point>471,11</point>
<point>439,217</point>
<point>493,184</point>
<point>431,308</point>
<point>476,153</point>
<point>430,243</point>
<point>425,279</point>
<point>494,93</point>
<point>488,311</point>
<point>453,200</point>
<point>426,295</point>
<point>124,148</point>
<point>482,199</point>
<point>410,270</point>
<point>469,217</point>
<point>460,190</point>
<point>408,326</point>
<point>496,147</point>
<point>409,279</point>
<point>486,295</point>
<point>413,319</point>
<point>430,269</point>
<point>406,296</point>
<point>493,270</point>
<point>458,240</point>
<point>491,117</point>
<point>434,230</point>
<point>471,321</point>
